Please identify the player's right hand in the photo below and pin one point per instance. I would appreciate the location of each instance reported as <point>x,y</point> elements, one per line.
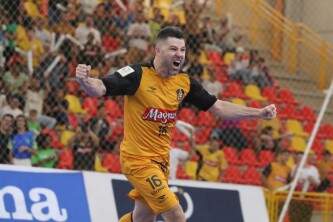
<point>82,71</point>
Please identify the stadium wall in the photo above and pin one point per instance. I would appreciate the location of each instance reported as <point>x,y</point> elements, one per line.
<point>316,14</point>
<point>35,194</point>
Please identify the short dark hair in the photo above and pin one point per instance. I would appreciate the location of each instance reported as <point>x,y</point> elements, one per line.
<point>170,31</point>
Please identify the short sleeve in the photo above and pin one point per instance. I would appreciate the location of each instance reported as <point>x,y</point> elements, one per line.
<point>199,97</point>
<point>124,81</point>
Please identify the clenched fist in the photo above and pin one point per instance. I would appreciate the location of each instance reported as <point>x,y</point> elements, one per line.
<point>82,71</point>
<point>268,112</point>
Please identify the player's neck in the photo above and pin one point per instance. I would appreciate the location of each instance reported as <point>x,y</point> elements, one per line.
<point>162,71</point>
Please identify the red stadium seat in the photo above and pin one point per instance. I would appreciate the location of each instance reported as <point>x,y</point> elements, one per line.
<point>181,173</point>
<point>234,89</point>
<point>111,162</point>
<point>287,112</point>
<point>232,175</point>
<point>215,58</point>
<point>205,119</point>
<point>73,120</point>
<point>265,157</point>
<point>54,138</point>
<point>306,113</point>
<point>187,115</point>
<point>318,146</point>
<point>287,96</point>
<point>112,109</point>
<point>65,159</point>
<point>231,155</point>
<point>248,157</point>
<point>271,94</point>
<point>252,176</point>
<point>254,104</point>
<point>90,104</point>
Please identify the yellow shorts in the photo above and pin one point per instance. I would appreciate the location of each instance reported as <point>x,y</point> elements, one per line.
<point>149,177</point>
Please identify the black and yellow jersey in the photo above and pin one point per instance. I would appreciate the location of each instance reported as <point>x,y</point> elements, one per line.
<point>151,105</point>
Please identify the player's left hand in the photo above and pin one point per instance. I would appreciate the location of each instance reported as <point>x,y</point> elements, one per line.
<point>268,112</point>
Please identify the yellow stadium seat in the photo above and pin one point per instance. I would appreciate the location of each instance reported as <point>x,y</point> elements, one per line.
<point>74,104</point>
<point>203,58</point>
<point>291,162</point>
<point>295,127</point>
<point>191,168</point>
<point>98,164</point>
<point>181,15</point>
<point>253,92</point>
<point>298,144</point>
<point>65,136</point>
<point>238,101</point>
<point>329,145</point>
<point>228,58</point>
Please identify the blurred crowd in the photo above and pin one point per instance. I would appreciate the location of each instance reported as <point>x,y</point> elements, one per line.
<point>47,121</point>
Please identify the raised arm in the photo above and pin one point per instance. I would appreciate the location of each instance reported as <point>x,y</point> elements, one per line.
<point>91,86</point>
<point>228,110</point>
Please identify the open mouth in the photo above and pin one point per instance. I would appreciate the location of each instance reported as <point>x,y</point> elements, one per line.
<point>176,64</point>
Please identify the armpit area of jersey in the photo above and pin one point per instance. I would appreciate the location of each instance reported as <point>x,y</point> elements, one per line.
<point>199,97</point>
<point>124,81</point>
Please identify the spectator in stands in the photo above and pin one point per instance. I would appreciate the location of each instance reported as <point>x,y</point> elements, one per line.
<point>56,106</point>
<point>325,167</point>
<point>34,100</point>
<point>3,93</point>
<point>139,33</point>
<point>208,31</point>
<point>84,145</point>
<point>82,32</point>
<point>42,33</point>
<point>238,69</point>
<point>35,46</point>
<point>194,68</point>
<point>277,174</point>
<point>309,180</point>
<point>156,23</point>
<point>193,10</point>
<point>259,73</point>
<point>23,142</point>
<point>211,161</point>
<point>212,85</point>
<point>13,106</point>
<point>101,19</point>
<point>6,130</point>
<point>91,53</point>
<point>101,127</point>
<point>266,140</point>
<point>45,155</point>
<point>16,80</point>
<point>33,124</point>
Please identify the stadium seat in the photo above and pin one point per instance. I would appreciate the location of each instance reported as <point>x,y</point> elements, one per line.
<point>54,138</point>
<point>202,135</point>
<point>111,162</point>
<point>65,159</point>
<point>234,89</point>
<point>228,58</point>
<point>254,104</point>
<point>318,146</point>
<point>329,146</point>
<point>252,176</point>
<point>232,175</point>
<point>90,104</point>
<point>231,155</point>
<point>248,157</point>
<point>215,58</point>
<point>270,93</point>
<point>287,96</point>
<point>205,119</point>
<point>298,144</point>
<point>65,136</point>
<point>306,113</point>
<point>238,101</point>
<point>181,173</point>
<point>295,127</point>
<point>253,92</point>
<point>265,157</point>
<point>248,125</point>
<point>112,109</point>
<point>31,9</point>
<point>287,111</point>
<point>187,115</point>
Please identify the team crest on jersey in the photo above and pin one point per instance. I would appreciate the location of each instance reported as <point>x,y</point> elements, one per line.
<point>180,94</point>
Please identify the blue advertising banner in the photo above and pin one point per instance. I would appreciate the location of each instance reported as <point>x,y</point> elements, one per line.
<point>32,196</point>
<point>199,204</point>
